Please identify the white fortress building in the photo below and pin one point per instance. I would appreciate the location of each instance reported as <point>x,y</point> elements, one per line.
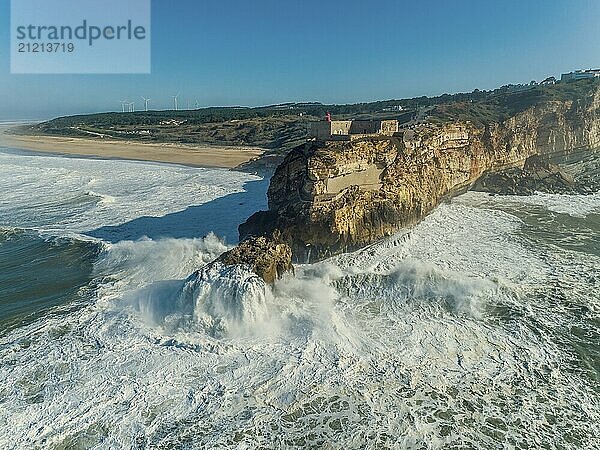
<point>580,75</point>
<point>344,129</point>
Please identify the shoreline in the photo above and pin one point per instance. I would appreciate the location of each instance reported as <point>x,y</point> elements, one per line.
<point>193,156</point>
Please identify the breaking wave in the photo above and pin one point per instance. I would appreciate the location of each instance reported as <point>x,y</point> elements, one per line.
<point>473,329</point>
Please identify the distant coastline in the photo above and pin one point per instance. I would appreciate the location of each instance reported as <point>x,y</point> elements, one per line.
<point>227,157</point>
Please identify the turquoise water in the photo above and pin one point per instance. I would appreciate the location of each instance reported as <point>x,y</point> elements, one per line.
<point>478,328</point>
<point>39,274</point>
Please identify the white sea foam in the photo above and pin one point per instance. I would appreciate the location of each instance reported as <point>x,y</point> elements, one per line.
<point>574,205</point>
<point>116,200</point>
<point>445,335</point>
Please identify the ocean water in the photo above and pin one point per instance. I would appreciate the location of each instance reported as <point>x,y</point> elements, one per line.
<point>478,328</point>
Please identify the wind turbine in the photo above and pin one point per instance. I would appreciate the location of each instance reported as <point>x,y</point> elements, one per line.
<point>123,103</point>
<point>146,100</point>
<point>196,104</point>
<point>132,107</point>
<point>175,102</point>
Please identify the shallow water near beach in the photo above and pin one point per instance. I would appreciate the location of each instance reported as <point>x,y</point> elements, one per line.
<point>478,328</point>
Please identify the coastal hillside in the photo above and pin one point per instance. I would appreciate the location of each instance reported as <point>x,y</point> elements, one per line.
<point>279,128</point>
<point>329,197</point>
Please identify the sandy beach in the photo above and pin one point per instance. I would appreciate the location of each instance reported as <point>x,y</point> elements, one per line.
<point>197,156</point>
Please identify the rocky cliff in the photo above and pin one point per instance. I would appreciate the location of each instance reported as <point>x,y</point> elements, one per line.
<point>332,197</point>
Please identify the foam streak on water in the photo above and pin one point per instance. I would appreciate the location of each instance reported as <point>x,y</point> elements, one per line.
<point>477,328</point>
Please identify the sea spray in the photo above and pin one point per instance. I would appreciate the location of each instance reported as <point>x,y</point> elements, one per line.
<point>416,281</point>
<point>225,298</point>
<point>477,330</point>
<point>146,260</point>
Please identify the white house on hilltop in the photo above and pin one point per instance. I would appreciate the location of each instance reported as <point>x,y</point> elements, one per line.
<point>580,75</point>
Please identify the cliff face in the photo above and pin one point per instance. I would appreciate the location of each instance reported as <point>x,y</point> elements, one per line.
<point>327,198</point>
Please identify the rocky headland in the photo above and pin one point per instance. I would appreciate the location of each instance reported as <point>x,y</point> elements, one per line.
<point>337,196</point>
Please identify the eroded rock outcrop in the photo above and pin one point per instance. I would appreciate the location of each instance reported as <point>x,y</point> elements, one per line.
<point>269,258</point>
<point>537,175</point>
<point>332,197</point>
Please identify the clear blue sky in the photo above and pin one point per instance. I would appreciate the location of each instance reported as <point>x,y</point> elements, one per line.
<point>256,52</point>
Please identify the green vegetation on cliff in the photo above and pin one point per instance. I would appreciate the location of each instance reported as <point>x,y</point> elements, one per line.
<point>282,127</point>
<point>500,104</point>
